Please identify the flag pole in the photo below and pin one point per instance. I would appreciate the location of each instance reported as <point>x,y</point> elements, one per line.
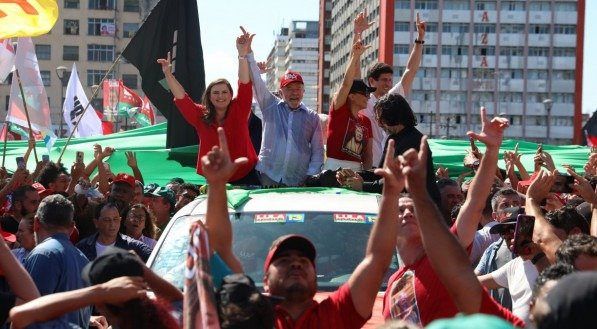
<point>27,114</point>
<point>5,142</point>
<point>95,92</point>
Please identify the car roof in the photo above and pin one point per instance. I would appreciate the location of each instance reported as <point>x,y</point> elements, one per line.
<point>292,200</point>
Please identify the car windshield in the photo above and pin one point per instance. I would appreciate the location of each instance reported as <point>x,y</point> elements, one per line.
<point>340,240</point>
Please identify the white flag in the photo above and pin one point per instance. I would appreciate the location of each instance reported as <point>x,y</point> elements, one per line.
<point>7,58</point>
<point>35,94</point>
<point>74,104</point>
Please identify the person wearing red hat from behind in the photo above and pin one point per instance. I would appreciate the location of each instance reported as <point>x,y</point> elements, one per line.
<point>292,144</point>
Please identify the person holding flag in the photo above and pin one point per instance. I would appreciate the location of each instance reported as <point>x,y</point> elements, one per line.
<point>219,109</point>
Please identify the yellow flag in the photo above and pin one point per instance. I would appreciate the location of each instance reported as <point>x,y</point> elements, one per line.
<point>27,18</point>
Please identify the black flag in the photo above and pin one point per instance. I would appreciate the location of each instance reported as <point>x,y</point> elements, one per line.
<point>172,25</point>
<point>590,131</point>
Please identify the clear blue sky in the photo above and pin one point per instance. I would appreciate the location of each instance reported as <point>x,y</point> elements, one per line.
<point>220,21</point>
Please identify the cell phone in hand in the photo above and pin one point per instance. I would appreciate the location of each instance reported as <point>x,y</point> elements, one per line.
<point>562,184</point>
<point>45,158</point>
<point>523,233</point>
<point>21,163</point>
<point>539,148</point>
<point>80,156</point>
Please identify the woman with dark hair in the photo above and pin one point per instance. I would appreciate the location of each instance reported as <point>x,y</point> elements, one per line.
<point>219,109</point>
<point>139,224</point>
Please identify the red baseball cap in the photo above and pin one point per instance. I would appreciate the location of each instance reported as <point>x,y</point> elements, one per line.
<point>290,77</point>
<point>126,178</point>
<point>8,237</point>
<point>42,191</point>
<point>290,242</point>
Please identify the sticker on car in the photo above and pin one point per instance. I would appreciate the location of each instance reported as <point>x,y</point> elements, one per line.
<point>350,218</point>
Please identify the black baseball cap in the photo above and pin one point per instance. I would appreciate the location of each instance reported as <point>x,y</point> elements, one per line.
<point>113,263</point>
<point>360,87</point>
<point>510,220</point>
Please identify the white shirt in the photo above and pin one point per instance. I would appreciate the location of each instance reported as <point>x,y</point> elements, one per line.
<point>379,135</point>
<point>519,277</point>
<point>481,241</point>
<point>100,248</point>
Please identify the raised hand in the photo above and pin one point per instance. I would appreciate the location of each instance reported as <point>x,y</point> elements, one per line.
<point>539,188</point>
<point>442,172</point>
<point>263,67</point>
<point>166,64</point>
<point>131,159</point>
<point>421,28</point>
<point>358,48</point>
<point>492,131</point>
<point>583,188</point>
<point>217,165</point>
<point>391,172</point>
<point>124,288</point>
<point>243,42</point>
<point>415,167</point>
<point>361,22</point>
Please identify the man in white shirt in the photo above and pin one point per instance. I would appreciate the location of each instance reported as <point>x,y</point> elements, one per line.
<point>380,76</point>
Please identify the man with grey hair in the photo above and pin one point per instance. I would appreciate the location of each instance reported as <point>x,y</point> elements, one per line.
<point>55,264</point>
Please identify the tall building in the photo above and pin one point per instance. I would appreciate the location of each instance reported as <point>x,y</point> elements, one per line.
<point>296,49</point>
<point>520,59</point>
<point>91,34</point>
<point>323,65</point>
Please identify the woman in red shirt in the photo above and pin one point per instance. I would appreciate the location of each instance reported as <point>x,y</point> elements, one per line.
<point>219,109</point>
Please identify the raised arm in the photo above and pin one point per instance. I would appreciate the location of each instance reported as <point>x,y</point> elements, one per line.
<point>217,170</point>
<point>471,212</point>
<point>262,95</point>
<point>175,86</point>
<point>243,45</point>
<point>51,306</point>
<point>450,262</point>
<point>353,66</point>
<point>543,233</point>
<point>366,279</point>
<point>131,161</point>
<point>414,60</point>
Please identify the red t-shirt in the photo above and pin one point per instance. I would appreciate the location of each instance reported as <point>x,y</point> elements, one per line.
<point>415,294</point>
<point>236,126</point>
<point>336,311</point>
<point>347,135</point>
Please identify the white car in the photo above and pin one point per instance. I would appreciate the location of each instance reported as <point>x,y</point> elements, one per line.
<point>337,221</point>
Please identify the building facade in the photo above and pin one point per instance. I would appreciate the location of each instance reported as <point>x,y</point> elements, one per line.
<point>519,59</point>
<point>91,34</point>
<point>296,49</point>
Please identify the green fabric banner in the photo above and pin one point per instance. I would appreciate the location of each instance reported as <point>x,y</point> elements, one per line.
<point>159,164</point>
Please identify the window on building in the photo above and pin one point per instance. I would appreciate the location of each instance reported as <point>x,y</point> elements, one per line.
<point>564,74</point>
<point>540,6</point>
<point>95,26</point>
<point>100,53</point>
<point>484,28</point>
<point>130,80</point>
<point>426,4</point>
<point>455,27</point>
<point>539,51</point>
<point>512,28</point>
<point>95,76</point>
<point>537,74</point>
<point>46,77</point>
<point>539,29</point>
<point>43,52</point>
<point>485,5</point>
<point>565,6</point>
<point>72,4</point>
<point>102,4</point>
<point>71,26</point>
<point>70,53</point>
<point>430,51</point>
<point>131,5</point>
<point>129,29</point>
<point>513,5</point>
<point>402,4</point>
<point>564,29</point>
<point>401,49</point>
<point>432,27</point>
<point>511,51</point>
<point>484,51</point>
<point>564,52</point>
<point>457,5</point>
<point>401,26</point>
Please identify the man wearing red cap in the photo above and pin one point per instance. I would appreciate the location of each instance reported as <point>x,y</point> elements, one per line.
<point>122,191</point>
<point>292,144</point>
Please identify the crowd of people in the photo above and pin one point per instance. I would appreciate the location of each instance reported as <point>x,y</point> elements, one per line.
<point>506,248</point>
